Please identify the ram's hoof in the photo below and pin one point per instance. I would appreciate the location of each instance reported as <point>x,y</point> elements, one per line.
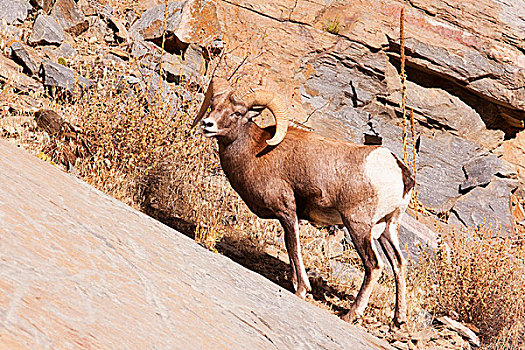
<point>351,317</point>
<point>301,293</point>
<point>399,323</point>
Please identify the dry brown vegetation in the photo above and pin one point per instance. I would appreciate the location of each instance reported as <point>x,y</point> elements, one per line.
<point>478,276</point>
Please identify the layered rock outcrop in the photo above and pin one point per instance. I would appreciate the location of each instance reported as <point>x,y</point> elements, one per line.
<point>339,62</point>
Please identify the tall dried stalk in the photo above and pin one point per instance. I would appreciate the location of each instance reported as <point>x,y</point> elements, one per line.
<point>403,83</point>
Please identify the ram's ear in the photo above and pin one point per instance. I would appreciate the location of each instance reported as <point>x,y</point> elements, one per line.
<point>253,114</point>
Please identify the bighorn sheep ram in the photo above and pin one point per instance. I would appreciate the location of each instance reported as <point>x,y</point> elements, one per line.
<point>289,174</point>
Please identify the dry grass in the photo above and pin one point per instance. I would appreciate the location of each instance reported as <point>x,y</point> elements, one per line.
<point>333,25</point>
<point>478,276</point>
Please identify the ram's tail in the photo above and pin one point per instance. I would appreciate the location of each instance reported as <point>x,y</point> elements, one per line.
<point>408,179</point>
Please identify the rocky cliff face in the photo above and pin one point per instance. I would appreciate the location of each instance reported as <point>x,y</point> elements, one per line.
<point>339,61</point>
<point>338,64</point>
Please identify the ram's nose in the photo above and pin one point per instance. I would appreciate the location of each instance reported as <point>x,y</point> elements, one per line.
<point>209,127</point>
<point>206,123</point>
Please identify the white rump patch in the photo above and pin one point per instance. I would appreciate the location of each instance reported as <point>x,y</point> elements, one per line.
<point>385,175</point>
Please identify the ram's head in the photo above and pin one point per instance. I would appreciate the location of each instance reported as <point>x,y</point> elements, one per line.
<point>229,112</point>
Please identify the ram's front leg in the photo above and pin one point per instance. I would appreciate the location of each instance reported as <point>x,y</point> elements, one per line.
<point>291,238</point>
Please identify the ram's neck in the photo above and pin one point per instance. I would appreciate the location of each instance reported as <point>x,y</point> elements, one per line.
<point>240,156</point>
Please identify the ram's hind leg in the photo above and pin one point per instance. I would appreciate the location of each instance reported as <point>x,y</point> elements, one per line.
<point>389,241</point>
<point>361,234</point>
<point>291,239</point>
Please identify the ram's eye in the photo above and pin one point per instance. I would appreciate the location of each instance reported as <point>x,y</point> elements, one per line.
<point>236,114</point>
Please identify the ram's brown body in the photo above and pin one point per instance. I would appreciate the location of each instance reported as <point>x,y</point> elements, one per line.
<point>309,171</point>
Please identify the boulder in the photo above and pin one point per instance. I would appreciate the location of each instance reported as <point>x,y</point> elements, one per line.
<point>441,109</point>
<point>174,69</point>
<point>199,23</point>
<point>194,58</point>
<point>193,21</point>
<point>20,54</point>
<point>440,168</point>
<point>415,236</point>
<point>14,11</point>
<point>479,171</point>
<point>80,269</point>
<point>50,121</point>
<point>485,207</point>
<point>70,17</point>
<point>56,75</point>
<point>151,25</point>
<point>11,72</point>
<point>46,30</point>
<point>66,50</point>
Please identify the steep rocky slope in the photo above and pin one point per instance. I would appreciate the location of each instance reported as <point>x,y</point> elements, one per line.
<point>72,279</point>
<point>336,61</point>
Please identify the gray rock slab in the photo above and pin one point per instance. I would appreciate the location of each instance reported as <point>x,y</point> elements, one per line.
<point>150,26</point>
<point>479,171</point>
<point>14,11</point>
<point>442,109</point>
<point>194,58</point>
<point>488,206</point>
<point>46,30</point>
<point>11,72</point>
<point>56,75</point>
<point>176,70</point>
<point>415,236</point>
<point>19,52</point>
<point>487,77</point>
<point>80,269</point>
<point>66,50</point>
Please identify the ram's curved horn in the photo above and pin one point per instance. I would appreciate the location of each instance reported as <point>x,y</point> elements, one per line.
<point>278,108</point>
<point>216,87</point>
<point>205,104</point>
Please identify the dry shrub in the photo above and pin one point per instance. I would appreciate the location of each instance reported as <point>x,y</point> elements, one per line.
<point>144,152</point>
<point>478,276</point>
